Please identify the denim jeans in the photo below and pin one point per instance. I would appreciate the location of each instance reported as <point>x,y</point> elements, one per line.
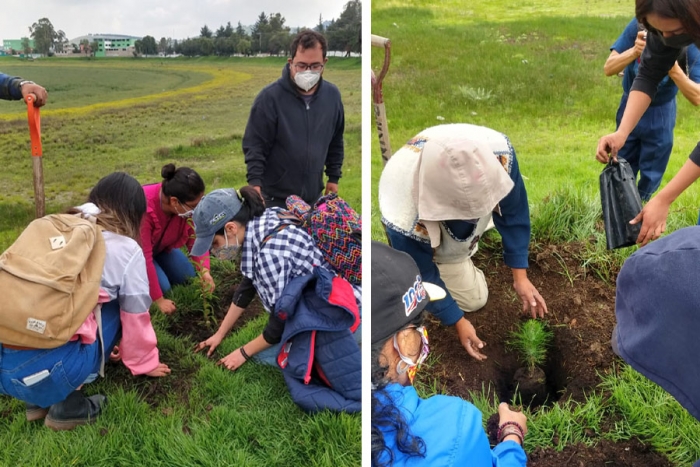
<point>68,366</point>
<point>649,146</point>
<point>269,356</point>
<point>173,268</point>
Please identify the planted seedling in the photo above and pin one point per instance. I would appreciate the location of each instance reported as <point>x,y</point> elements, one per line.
<point>531,341</point>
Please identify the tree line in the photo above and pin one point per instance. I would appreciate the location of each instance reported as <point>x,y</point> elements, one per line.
<point>269,35</point>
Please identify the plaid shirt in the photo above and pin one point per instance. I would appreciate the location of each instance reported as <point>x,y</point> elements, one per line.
<point>289,253</point>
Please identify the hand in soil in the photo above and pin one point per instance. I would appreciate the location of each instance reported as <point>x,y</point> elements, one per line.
<point>507,415</point>
<point>468,338</point>
<point>213,342</point>
<point>161,370</point>
<point>115,355</point>
<point>233,361</point>
<point>165,305</point>
<point>208,283</point>
<point>533,302</point>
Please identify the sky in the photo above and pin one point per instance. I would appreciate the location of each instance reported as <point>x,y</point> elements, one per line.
<point>178,19</point>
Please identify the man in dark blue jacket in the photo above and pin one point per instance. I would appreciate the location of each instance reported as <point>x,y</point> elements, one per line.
<point>295,128</point>
<point>15,88</point>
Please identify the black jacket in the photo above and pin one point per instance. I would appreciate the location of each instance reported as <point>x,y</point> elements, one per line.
<point>287,143</point>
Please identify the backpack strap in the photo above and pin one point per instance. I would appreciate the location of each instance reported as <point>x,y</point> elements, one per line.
<point>274,232</point>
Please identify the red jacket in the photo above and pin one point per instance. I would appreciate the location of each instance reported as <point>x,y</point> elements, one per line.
<point>160,233</point>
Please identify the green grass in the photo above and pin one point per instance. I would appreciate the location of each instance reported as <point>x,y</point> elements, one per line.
<point>534,71</point>
<point>136,116</point>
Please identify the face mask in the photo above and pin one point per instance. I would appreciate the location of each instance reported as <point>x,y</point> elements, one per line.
<point>187,214</point>
<point>408,366</point>
<point>226,252</point>
<point>677,41</point>
<point>307,79</point>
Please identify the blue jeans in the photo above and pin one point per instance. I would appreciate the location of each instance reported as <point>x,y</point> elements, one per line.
<point>269,356</point>
<point>649,146</point>
<point>69,365</point>
<point>173,268</point>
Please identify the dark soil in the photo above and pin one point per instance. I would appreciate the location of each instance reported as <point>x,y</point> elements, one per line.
<point>581,316</point>
<point>192,327</point>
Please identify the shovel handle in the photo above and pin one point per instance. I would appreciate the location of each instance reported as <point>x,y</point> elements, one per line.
<point>34,117</point>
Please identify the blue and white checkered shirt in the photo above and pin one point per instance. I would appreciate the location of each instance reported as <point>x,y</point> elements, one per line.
<point>289,253</point>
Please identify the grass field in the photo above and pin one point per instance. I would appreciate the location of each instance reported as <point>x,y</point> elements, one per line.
<point>534,71</point>
<point>136,116</point>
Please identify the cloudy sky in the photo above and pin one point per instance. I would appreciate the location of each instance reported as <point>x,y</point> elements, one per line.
<point>178,19</point>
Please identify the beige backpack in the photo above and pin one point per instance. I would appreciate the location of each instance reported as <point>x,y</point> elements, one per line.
<point>50,281</point>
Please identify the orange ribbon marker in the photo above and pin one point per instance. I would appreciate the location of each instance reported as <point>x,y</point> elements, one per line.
<point>34,118</point>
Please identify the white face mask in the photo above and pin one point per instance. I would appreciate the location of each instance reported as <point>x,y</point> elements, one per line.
<point>307,79</point>
<point>187,214</point>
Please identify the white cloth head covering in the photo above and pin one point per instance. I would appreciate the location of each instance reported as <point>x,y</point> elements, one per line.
<point>457,178</point>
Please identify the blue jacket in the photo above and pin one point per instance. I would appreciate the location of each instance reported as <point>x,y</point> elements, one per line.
<point>9,87</point>
<point>320,359</point>
<point>287,141</point>
<point>451,429</point>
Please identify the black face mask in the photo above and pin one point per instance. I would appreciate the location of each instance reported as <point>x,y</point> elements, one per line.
<point>677,41</point>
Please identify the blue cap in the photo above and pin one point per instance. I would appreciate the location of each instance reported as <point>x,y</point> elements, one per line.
<point>656,307</point>
<point>211,214</point>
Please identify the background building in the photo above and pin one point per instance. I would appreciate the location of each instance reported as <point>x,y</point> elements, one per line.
<point>107,45</point>
<point>15,44</point>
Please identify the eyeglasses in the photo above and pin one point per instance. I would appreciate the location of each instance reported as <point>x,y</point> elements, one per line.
<point>301,66</point>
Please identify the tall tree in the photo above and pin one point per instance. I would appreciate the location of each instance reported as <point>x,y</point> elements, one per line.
<point>26,48</point>
<point>44,35</point>
<point>319,27</point>
<point>220,33</point>
<point>163,45</point>
<point>240,32</point>
<point>228,30</point>
<point>345,32</point>
<point>260,34</point>
<point>148,45</point>
<point>205,32</point>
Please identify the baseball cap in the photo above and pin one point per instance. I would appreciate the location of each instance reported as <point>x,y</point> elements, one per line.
<point>211,214</point>
<point>398,293</point>
<point>656,307</point>
<point>458,177</point>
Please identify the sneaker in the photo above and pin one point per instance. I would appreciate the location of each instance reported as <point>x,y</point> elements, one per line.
<point>75,410</point>
<point>34,412</point>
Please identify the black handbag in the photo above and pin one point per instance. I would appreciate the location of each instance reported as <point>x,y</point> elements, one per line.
<point>621,203</point>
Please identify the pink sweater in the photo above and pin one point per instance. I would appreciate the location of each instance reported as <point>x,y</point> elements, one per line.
<point>161,232</point>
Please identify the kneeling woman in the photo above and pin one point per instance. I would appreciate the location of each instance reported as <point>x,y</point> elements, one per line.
<point>270,259</point>
<point>408,430</point>
<point>117,202</point>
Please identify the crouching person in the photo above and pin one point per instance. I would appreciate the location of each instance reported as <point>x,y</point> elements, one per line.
<point>408,430</point>
<point>656,306</point>
<point>300,290</point>
<point>437,195</point>
<point>49,380</point>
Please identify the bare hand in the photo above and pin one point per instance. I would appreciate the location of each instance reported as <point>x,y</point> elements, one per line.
<point>640,42</point>
<point>213,342</point>
<point>331,188</point>
<point>40,94</point>
<point>468,338</point>
<point>653,218</point>
<point>233,361</point>
<point>208,283</point>
<point>161,370</point>
<point>608,147</point>
<point>533,302</point>
<point>115,355</point>
<point>166,306</point>
<point>507,415</point>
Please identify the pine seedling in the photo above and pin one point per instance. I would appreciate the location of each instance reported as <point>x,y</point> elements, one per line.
<point>531,341</point>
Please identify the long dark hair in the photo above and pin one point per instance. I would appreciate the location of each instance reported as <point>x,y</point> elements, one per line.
<point>122,204</point>
<point>386,414</point>
<point>685,11</point>
<point>184,183</point>
<point>253,206</point>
